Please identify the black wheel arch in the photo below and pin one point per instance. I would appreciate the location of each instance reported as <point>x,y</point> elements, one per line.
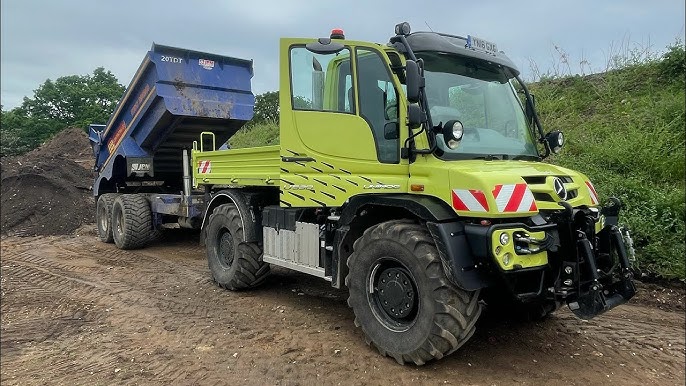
<point>248,203</point>
<point>364,211</point>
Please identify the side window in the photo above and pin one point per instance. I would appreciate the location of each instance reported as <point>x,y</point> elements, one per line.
<point>321,82</point>
<point>378,102</point>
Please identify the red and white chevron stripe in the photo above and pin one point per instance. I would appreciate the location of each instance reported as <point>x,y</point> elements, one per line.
<point>514,198</point>
<point>471,200</point>
<point>204,166</point>
<point>592,193</point>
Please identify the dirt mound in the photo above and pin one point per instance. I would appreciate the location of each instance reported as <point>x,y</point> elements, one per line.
<point>71,143</point>
<point>48,190</point>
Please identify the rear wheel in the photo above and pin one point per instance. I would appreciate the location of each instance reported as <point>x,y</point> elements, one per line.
<point>131,221</point>
<point>234,263</point>
<point>103,214</point>
<point>402,300</point>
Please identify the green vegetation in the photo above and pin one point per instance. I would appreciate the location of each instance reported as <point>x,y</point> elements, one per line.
<point>256,134</point>
<point>625,130</point>
<point>69,101</point>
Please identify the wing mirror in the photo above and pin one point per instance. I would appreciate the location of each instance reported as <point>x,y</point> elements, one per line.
<point>415,116</point>
<point>413,81</point>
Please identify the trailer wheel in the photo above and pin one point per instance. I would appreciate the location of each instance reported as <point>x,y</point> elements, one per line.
<point>401,298</point>
<point>234,263</point>
<point>103,214</point>
<point>131,221</point>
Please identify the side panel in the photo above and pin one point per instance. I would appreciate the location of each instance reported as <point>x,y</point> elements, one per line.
<point>258,166</point>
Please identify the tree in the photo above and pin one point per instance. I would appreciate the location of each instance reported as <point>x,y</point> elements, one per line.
<point>267,107</point>
<point>69,101</point>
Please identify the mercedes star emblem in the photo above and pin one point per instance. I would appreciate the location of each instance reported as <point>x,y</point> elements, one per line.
<point>560,189</point>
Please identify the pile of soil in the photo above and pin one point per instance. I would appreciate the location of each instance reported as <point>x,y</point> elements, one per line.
<point>48,190</point>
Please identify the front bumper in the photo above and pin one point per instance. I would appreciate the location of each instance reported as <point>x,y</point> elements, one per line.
<point>577,256</point>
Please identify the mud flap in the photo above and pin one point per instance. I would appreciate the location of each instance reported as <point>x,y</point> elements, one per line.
<point>597,299</point>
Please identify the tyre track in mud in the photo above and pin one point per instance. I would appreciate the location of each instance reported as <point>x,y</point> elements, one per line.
<point>91,313</point>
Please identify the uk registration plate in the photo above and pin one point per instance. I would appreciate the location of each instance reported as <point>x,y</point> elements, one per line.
<point>481,45</point>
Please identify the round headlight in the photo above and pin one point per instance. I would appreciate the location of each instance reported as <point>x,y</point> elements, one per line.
<point>458,130</point>
<point>560,140</point>
<point>452,133</point>
<point>504,238</point>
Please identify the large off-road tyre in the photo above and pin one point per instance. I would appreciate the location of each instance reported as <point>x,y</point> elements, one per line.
<point>131,221</point>
<point>402,300</point>
<point>234,263</point>
<point>103,216</point>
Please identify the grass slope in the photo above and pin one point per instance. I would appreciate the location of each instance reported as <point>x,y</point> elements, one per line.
<point>625,130</point>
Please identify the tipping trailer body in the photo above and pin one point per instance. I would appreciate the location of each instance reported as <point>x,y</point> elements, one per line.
<point>174,96</point>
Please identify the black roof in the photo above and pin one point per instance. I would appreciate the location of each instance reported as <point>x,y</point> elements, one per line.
<point>433,41</point>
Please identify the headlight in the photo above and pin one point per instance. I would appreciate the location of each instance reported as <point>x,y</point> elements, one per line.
<point>504,238</point>
<point>452,133</point>
<point>555,140</point>
<point>458,130</point>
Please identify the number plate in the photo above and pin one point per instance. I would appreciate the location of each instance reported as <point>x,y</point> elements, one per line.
<point>481,45</point>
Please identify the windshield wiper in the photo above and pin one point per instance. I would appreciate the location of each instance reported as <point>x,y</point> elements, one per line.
<point>526,157</point>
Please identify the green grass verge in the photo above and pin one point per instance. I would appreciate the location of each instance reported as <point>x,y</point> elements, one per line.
<point>625,130</point>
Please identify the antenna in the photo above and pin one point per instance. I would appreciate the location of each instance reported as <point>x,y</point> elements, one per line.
<point>427,24</point>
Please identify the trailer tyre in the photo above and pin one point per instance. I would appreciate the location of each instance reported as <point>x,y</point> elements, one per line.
<point>401,298</point>
<point>234,263</point>
<point>103,214</point>
<point>131,221</point>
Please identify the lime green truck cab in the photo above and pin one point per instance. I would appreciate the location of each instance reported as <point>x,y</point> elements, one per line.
<point>411,173</point>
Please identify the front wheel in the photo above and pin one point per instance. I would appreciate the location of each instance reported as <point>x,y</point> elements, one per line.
<point>402,300</point>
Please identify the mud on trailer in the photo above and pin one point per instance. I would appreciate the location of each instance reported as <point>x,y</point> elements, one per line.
<point>409,173</point>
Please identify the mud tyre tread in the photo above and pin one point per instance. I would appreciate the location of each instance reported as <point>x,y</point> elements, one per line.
<point>131,221</point>
<point>446,319</point>
<point>103,208</point>
<point>247,270</point>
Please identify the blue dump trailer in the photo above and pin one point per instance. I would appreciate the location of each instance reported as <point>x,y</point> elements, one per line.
<point>175,95</point>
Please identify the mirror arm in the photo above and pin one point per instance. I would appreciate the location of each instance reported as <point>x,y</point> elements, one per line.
<point>424,102</point>
<point>537,122</point>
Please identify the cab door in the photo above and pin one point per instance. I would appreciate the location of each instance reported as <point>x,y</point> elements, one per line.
<point>340,119</point>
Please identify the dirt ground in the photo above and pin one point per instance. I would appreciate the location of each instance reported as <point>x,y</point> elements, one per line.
<point>77,311</point>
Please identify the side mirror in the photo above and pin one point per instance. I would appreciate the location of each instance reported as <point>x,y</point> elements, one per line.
<point>452,133</point>
<point>415,116</point>
<point>555,141</point>
<point>413,81</point>
<point>391,130</point>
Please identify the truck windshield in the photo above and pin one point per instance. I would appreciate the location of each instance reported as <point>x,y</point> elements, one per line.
<point>482,96</point>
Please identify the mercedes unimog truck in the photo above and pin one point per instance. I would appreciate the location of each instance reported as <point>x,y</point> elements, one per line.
<point>411,173</point>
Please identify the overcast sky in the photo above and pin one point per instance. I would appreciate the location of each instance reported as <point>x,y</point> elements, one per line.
<point>44,39</point>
